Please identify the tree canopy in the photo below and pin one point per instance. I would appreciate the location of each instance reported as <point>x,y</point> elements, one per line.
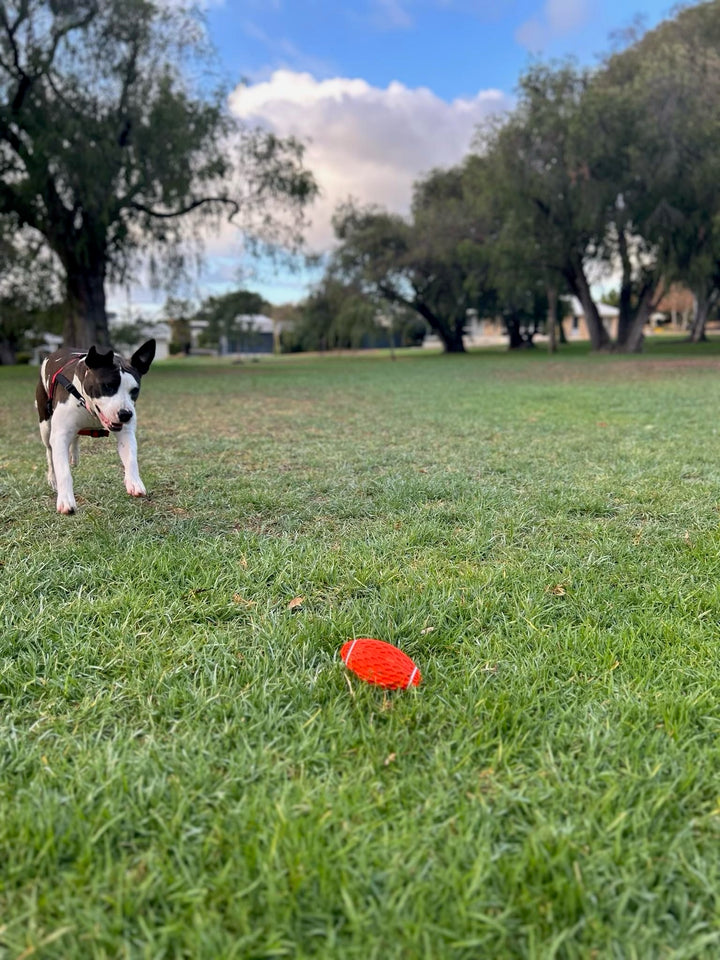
<point>606,173</point>
<point>618,167</point>
<point>110,151</point>
<point>432,262</point>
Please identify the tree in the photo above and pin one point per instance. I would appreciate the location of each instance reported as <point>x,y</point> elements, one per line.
<point>617,167</point>
<point>432,263</point>
<point>650,137</point>
<point>223,316</point>
<point>552,210</point>
<point>335,316</point>
<point>673,73</point>
<point>523,278</point>
<point>108,149</point>
<point>177,313</point>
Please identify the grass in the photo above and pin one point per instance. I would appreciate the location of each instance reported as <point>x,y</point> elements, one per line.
<point>186,768</point>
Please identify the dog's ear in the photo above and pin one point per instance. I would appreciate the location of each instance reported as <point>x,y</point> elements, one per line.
<point>96,360</point>
<point>143,357</point>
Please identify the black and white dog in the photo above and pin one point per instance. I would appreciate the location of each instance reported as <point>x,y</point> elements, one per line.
<point>94,394</point>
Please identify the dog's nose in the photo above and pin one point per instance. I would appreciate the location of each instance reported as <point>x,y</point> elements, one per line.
<point>124,416</point>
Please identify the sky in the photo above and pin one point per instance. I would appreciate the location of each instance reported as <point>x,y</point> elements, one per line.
<point>380,91</point>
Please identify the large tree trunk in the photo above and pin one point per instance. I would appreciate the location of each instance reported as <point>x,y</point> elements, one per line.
<point>512,325</point>
<point>86,322</point>
<point>451,335</point>
<point>631,322</point>
<point>453,341</point>
<point>517,339</point>
<point>561,331</point>
<point>581,288</point>
<point>630,335</point>
<point>552,298</point>
<point>8,353</point>
<point>703,302</point>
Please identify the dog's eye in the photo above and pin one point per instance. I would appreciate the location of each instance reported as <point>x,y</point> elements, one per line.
<point>135,392</point>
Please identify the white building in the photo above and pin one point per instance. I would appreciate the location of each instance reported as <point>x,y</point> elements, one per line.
<point>252,333</point>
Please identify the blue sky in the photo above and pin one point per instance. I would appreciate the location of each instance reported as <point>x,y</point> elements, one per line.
<point>381,91</point>
<point>455,47</point>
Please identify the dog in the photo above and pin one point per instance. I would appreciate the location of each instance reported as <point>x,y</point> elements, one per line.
<point>92,394</point>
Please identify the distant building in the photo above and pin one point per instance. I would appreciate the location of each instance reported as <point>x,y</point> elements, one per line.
<point>678,306</point>
<point>253,333</point>
<point>160,332</point>
<point>575,326</point>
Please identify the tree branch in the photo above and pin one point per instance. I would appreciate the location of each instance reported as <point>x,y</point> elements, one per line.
<point>162,215</point>
<point>10,202</point>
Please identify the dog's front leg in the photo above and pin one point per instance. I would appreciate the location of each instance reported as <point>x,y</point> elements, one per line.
<point>45,429</point>
<point>60,442</point>
<point>127,448</point>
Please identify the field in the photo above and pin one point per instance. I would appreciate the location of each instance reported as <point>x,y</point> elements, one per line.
<point>188,771</point>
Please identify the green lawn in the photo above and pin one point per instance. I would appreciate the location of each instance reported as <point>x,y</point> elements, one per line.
<point>188,770</point>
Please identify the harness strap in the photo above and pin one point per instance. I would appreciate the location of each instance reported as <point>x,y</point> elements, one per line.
<point>69,386</point>
<point>59,377</point>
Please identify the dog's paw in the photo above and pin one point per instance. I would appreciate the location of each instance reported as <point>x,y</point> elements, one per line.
<point>52,483</point>
<point>66,505</point>
<point>136,488</point>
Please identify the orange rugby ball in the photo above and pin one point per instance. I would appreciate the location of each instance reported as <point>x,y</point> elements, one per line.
<point>378,662</point>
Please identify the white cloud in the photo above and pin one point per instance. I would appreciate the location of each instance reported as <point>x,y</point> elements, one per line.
<point>391,15</point>
<point>367,142</point>
<point>559,17</point>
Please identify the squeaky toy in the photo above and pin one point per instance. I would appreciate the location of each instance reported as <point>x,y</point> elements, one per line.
<point>378,662</point>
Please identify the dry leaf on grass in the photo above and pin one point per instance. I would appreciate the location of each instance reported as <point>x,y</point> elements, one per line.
<point>242,601</point>
<point>296,603</point>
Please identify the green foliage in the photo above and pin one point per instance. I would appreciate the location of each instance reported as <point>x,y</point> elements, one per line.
<point>615,165</point>
<point>518,273</point>
<point>336,315</point>
<point>177,313</point>
<point>546,207</point>
<point>110,149</point>
<point>672,76</point>
<point>433,263</point>
<point>224,315</point>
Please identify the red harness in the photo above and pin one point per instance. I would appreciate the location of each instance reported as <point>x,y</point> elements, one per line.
<point>73,391</point>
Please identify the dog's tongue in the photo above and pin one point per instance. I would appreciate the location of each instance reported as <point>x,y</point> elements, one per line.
<point>108,424</point>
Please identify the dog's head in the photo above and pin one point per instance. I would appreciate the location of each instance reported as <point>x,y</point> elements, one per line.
<point>112,384</point>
